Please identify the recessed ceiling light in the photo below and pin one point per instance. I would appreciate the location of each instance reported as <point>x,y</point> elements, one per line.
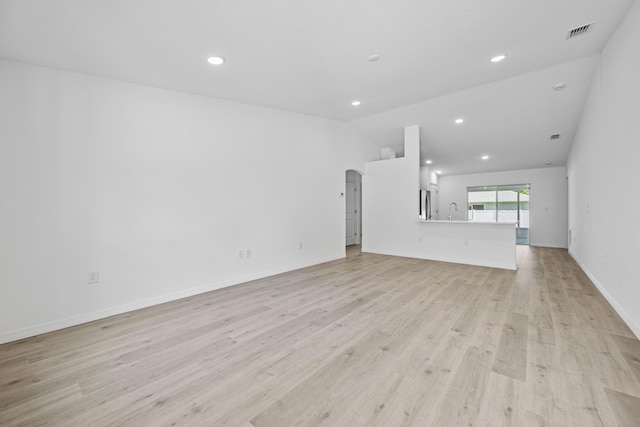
<point>438,172</point>
<point>215,60</point>
<point>498,58</point>
<point>485,157</point>
<point>459,121</point>
<point>429,162</point>
<point>356,103</point>
<point>373,58</point>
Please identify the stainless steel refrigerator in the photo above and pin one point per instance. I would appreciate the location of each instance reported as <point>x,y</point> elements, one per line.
<point>424,210</point>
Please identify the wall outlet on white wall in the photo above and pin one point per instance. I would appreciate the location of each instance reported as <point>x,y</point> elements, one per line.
<point>93,277</point>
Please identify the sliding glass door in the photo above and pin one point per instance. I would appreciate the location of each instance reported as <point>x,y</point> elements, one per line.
<point>481,204</point>
<point>501,203</point>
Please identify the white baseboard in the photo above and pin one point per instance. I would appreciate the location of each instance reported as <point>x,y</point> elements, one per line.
<point>504,266</point>
<point>57,324</point>
<point>547,245</point>
<point>616,306</point>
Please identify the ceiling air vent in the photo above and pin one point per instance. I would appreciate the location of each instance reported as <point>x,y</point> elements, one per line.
<point>579,31</point>
<point>555,136</point>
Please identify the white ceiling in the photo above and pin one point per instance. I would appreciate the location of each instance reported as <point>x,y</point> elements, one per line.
<point>311,57</point>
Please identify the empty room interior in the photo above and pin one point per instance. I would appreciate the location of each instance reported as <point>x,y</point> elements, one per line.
<point>339,213</point>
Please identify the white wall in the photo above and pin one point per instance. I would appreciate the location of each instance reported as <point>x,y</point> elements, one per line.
<point>159,190</point>
<point>428,177</point>
<point>604,175</point>
<point>548,205</point>
<point>390,198</point>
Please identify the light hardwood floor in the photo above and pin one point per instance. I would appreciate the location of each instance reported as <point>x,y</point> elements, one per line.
<point>370,340</point>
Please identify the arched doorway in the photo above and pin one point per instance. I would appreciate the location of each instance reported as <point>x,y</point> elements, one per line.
<point>353,208</point>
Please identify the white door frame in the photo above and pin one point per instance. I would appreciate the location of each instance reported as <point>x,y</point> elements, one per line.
<point>353,183</point>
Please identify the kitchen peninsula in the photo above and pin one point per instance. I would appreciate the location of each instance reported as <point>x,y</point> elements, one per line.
<point>490,244</point>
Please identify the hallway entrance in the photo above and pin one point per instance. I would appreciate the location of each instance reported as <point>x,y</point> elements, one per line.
<point>353,201</point>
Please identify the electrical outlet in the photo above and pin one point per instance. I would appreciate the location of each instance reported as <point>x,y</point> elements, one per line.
<point>93,277</point>
<point>241,254</point>
<point>249,253</point>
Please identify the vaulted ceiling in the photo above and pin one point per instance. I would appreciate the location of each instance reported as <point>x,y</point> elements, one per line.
<point>312,57</point>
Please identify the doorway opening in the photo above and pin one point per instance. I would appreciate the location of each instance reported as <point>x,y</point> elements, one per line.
<point>353,203</point>
<point>501,203</point>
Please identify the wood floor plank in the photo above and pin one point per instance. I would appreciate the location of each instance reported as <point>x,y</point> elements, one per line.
<point>609,365</point>
<point>303,404</point>
<point>32,411</point>
<point>608,317</point>
<point>501,297</point>
<point>511,356</point>
<point>473,310</point>
<point>582,401</point>
<point>500,406</point>
<point>625,407</point>
<point>462,399</point>
<point>630,350</point>
<point>369,340</point>
<point>422,389</point>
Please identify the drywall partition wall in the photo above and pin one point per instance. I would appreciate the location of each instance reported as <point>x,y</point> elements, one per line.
<point>390,198</point>
<point>604,175</point>
<point>548,199</point>
<point>159,191</point>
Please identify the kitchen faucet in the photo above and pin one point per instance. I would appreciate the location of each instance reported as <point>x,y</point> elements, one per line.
<point>455,205</point>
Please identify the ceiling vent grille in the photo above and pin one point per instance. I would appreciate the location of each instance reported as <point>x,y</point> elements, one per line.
<point>555,136</point>
<point>579,31</point>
